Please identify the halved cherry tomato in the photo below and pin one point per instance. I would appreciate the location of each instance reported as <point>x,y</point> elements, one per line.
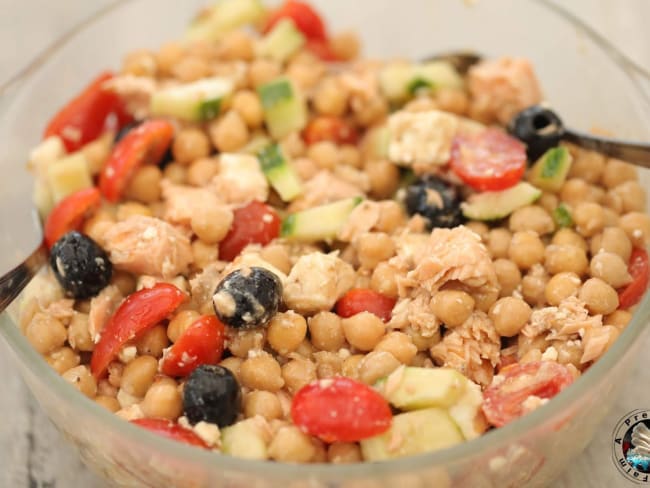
<point>503,400</point>
<point>364,300</point>
<point>639,269</point>
<point>173,431</point>
<point>322,49</point>
<point>307,20</point>
<point>254,223</point>
<point>328,128</point>
<point>146,144</point>
<point>70,213</point>
<point>136,315</point>
<point>89,114</point>
<point>489,160</point>
<point>201,343</point>
<point>340,410</point>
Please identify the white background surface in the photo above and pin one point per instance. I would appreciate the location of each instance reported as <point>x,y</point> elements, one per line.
<point>33,454</point>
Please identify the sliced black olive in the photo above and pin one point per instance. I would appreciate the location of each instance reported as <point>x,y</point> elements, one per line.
<point>80,265</point>
<point>539,128</point>
<point>436,200</point>
<point>248,298</point>
<point>211,394</point>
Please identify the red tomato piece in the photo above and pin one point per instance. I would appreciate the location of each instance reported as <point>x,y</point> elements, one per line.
<point>503,401</point>
<point>322,49</point>
<point>89,114</point>
<point>327,128</point>
<point>490,160</point>
<point>640,272</point>
<point>307,20</point>
<point>146,144</point>
<point>171,430</point>
<point>340,410</point>
<point>70,213</point>
<point>201,343</point>
<point>253,223</point>
<point>136,315</point>
<point>364,300</point>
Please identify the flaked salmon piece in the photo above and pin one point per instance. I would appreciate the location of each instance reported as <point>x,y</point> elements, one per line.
<point>149,246</point>
<point>316,282</point>
<point>563,322</point>
<point>415,313</point>
<point>365,217</point>
<point>353,176</point>
<point>473,348</point>
<point>502,87</point>
<point>203,284</point>
<point>181,202</point>
<point>135,91</point>
<point>595,341</point>
<point>240,179</point>
<point>324,188</point>
<point>101,309</point>
<point>455,255</point>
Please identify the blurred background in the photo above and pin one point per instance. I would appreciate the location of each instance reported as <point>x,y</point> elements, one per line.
<point>32,452</point>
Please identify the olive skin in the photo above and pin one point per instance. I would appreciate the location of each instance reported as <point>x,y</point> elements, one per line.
<point>80,265</point>
<point>539,128</point>
<point>248,298</point>
<point>436,200</point>
<point>211,394</point>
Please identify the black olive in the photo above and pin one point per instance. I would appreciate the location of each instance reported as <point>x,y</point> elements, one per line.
<point>436,200</point>
<point>539,128</point>
<point>211,394</point>
<point>167,158</point>
<point>80,265</point>
<point>247,298</point>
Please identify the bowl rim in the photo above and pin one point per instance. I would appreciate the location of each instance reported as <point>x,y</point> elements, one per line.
<point>486,443</point>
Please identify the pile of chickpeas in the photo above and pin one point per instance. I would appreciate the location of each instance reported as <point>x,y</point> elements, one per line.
<point>537,264</point>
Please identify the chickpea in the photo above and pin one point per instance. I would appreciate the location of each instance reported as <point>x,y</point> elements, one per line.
<point>391,217</point>
<point>610,268</point>
<point>115,370</point>
<point>129,209</point>
<point>452,307</point>
<point>326,331</point>
<point>261,372</point>
<point>63,359</point>
<point>138,375</point>
<point>575,191</point>
<point>526,249</point>
<point>298,373</point>
<point>109,403</point>
<point>211,223</point>
<point>384,279</point>
<point>350,367</point>
<point>262,71</point>
<point>204,254</point>
<point>82,379</point>
<point>375,365</point>
<point>324,154</point>
<point>363,330</point>
<point>180,322</point>
<point>588,165</point>
<point>617,172</point>
<point>168,56</point>
<point>190,68</point>
<point>45,333</point>
<point>527,344</point>
<point>569,237</point>
<point>384,178</point>
<point>264,403</point>
<point>509,315</point>
<point>568,352</point>
<point>344,452</point>
<point>599,297</point>
<point>452,100</point>
<point>305,74</point>
<point>531,218</point>
<point>561,286</point>
<point>125,282</point>
<point>533,286</point>
<point>236,45</point>
<point>229,133</point>
<point>637,227</point>
<point>589,218</point>
<point>618,318</point>
<point>286,331</point>
<point>611,217</point>
<point>373,248</point>
<point>145,187</point>
<point>233,364</point>
<point>549,202</point>
<point>140,63</point>
<point>240,342</point>
<point>498,241</point>
<point>508,275</point>
<point>201,171</point>
<point>350,156</point>
<point>632,196</point>
<point>291,445</point>
<point>423,342</point>
<point>79,334</point>
<point>565,258</point>
<point>345,45</point>
<point>400,345</point>
<point>163,400</point>
<point>190,144</point>
<point>175,173</point>
<point>331,97</point>
<point>328,364</point>
<point>478,228</point>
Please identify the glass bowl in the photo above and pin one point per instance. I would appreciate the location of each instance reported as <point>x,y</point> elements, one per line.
<point>586,80</point>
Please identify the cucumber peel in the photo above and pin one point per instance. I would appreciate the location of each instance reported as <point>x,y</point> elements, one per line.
<point>551,169</point>
<point>318,223</point>
<point>493,205</point>
<point>562,216</point>
<point>196,101</point>
<point>279,172</point>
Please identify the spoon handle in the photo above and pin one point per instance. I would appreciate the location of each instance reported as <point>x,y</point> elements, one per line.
<point>12,283</point>
<point>637,153</point>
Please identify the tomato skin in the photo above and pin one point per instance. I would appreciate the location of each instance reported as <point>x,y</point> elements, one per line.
<point>340,409</point>
<point>171,430</point>
<point>322,49</point>
<point>201,343</point>
<point>307,20</point>
<point>639,269</point>
<point>136,315</point>
<point>70,213</point>
<point>146,144</point>
<point>360,300</point>
<point>253,223</point>
<point>489,160</point>
<point>87,115</point>
<point>503,402</point>
<point>329,128</point>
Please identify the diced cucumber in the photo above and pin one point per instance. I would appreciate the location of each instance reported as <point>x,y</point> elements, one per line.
<point>283,41</point>
<point>224,17</point>
<point>256,144</point>
<point>394,80</point>
<point>279,172</point>
<point>245,440</point>
<point>410,388</point>
<point>466,411</point>
<point>47,152</point>
<point>319,223</point>
<point>550,170</point>
<point>413,433</point>
<point>562,216</point>
<point>285,110</point>
<point>68,175</point>
<point>197,101</point>
<point>439,74</point>
<point>493,205</point>
<point>400,80</point>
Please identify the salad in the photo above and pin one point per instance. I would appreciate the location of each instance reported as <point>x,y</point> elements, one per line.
<point>264,245</point>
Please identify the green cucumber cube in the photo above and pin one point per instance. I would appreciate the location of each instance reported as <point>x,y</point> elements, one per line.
<point>318,223</point>
<point>196,101</point>
<point>285,110</point>
<point>282,42</point>
<point>551,169</point>
<point>279,172</point>
<point>493,205</point>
